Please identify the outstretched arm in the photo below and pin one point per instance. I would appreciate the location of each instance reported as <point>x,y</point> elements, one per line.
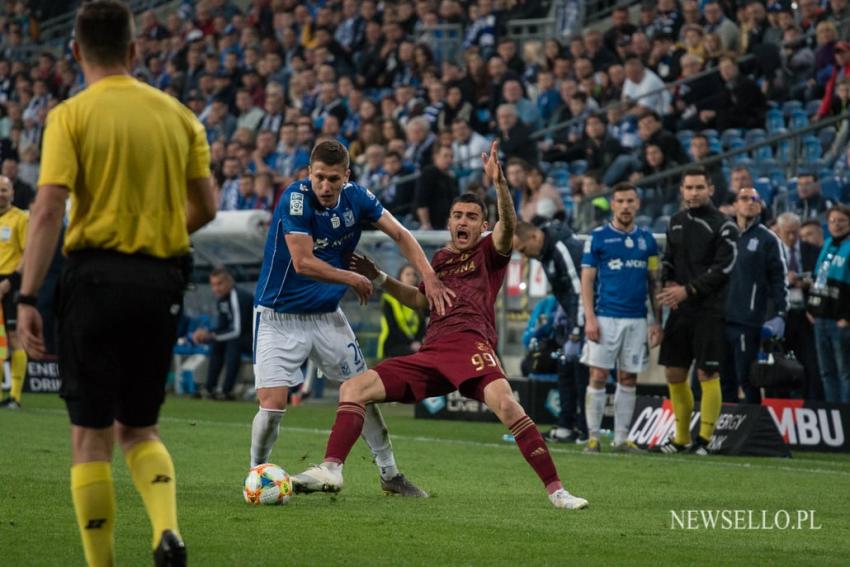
<point>438,295</point>
<point>407,294</point>
<point>306,264</point>
<point>503,232</point>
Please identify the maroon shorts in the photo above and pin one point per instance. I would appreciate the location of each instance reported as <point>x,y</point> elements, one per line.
<point>461,361</point>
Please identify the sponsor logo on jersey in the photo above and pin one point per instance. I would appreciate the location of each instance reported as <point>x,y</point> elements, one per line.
<point>348,218</point>
<point>615,264</point>
<point>296,204</point>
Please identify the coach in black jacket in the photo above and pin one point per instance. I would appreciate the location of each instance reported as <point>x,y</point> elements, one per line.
<point>232,335</point>
<point>758,297</point>
<point>559,251</point>
<point>699,258</point>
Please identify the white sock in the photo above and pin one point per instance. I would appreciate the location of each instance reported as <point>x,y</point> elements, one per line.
<point>7,376</point>
<point>624,407</point>
<point>378,438</point>
<point>594,407</point>
<point>264,432</point>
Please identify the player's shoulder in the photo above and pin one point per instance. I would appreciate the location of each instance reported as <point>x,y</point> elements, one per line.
<point>295,200</point>
<point>355,190</point>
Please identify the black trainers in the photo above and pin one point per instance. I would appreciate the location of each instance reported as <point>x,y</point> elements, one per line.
<point>171,551</point>
<point>400,485</point>
<point>669,448</point>
<point>10,403</point>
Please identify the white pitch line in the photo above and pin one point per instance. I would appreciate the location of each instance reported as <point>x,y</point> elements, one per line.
<point>690,460</point>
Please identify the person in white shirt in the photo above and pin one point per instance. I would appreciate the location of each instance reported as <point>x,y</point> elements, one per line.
<point>644,89</point>
<point>468,145</point>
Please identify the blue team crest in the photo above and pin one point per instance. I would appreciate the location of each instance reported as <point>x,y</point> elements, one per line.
<point>344,369</point>
<point>641,243</point>
<point>348,218</point>
<point>335,221</point>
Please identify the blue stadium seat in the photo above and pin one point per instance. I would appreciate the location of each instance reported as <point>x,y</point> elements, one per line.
<point>684,137</point>
<point>791,105</point>
<point>735,143</point>
<point>799,119</point>
<point>643,221</point>
<point>826,136</point>
<point>812,107</point>
<point>729,134</point>
<point>710,133</point>
<point>754,135</point>
<point>660,224</point>
<point>766,165</point>
<point>783,150</point>
<point>715,146</point>
<point>762,153</point>
<point>831,187</point>
<point>775,120</point>
<point>578,167</point>
<point>743,160</point>
<point>765,188</point>
<point>811,150</point>
<point>777,177</point>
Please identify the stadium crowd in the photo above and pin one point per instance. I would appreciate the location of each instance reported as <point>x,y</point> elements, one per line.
<point>269,78</point>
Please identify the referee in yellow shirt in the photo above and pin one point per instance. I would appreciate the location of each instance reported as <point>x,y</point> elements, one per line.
<point>13,232</point>
<point>135,163</point>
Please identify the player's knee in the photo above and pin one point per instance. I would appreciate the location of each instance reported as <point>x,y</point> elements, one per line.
<point>598,377</point>
<point>272,398</point>
<point>508,409</point>
<point>627,379</point>
<point>361,389</point>
<point>128,436</point>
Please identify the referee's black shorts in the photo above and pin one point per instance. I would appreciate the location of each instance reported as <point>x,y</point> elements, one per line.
<point>117,324</point>
<point>693,337</point>
<point>10,303</point>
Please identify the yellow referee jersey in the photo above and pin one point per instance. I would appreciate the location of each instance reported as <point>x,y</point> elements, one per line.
<point>125,150</point>
<point>13,236</point>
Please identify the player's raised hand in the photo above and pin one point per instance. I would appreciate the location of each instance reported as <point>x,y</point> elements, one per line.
<point>362,286</point>
<point>363,265</point>
<point>492,167</point>
<point>439,296</point>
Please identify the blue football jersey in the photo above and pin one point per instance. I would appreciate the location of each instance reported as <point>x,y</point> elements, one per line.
<point>621,260</point>
<point>335,232</point>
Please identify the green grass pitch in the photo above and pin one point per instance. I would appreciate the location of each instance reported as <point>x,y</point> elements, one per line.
<point>487,506</point>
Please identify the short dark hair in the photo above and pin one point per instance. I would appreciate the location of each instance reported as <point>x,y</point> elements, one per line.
<point>517,161</point>
<point>623,187</point>
<point>813,222</point>
<point>471,198</point>
<point>393,154</point>
<point>811,174</point>
<point>329,152</point>
<point>699,135</point>
<point>694,171</point>
<point>524,230</point>
<point>104,31</point>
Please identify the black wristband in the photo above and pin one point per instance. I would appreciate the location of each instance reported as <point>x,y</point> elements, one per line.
<point>28,300</point>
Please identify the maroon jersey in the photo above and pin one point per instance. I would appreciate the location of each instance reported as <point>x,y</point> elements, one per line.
<point>476,276</point>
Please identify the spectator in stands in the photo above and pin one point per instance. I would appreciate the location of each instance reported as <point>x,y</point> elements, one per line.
<point>839,12</point>
<point>597,147</point>
<point>231,337</point>
<point>700,150</point>
<point>246,198</point>
<point>741,104</point>
<point>420,140</point>
<point>402,327</point>
<point>546,95</point>
<point>23,192</point>
<point>650,131</point>
<point>514,136</point>
<point>811,14</point>
<point>397,195</point>
<point>801,258</point>
<point>840,71</point>
<point>643,89</point>
<point>811,204</point>
<point>540,200</point>
<point>29,167</point>
<point>811,231</point>
<point>291,156</point>
<point>249,115</point>
<point>436,188</point>
<point>621,29</point>
<point>829,303</point>
<point>526,110</point>
<point>467,147</point>
<point>756,303</point>
<point>499,73</point>
<point>664,57</point>
<point>507,50</point>
<point>600,56</point>
<point>798,64</point>
<point>370,168</point>
<point>455,108</point>
<point>590,204</point>
<point>695,95</point>
<point>658,197</point>
<point>265,156</point>
<point>482,31</point>
<point>265,192</point>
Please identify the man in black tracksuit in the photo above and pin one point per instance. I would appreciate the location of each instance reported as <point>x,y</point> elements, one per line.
<point>232,335</point>
<point>559,251</point>
<point>757,300</point>
<point>699,258</point>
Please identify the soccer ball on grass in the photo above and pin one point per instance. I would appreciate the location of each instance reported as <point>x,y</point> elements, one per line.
<point>267,484</point>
